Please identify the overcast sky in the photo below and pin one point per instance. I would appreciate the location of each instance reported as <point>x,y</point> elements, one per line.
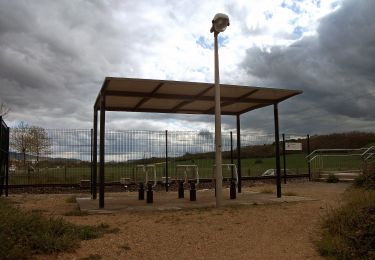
<point>54,56</point>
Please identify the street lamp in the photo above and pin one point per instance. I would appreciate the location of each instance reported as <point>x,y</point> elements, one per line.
<point>219,24</point>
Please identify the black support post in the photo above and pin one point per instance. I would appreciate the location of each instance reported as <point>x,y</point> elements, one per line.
<point>308,159</point>
<point>231,154</point>
<point>239,153</point>
<point>91,163</point>
<point>284,159</point>
<point>166,162</point>
<point>95,155</point>
<point>7,164</point>
<point>193,192</point>
<point>277,149</point>
<point>101,152</point>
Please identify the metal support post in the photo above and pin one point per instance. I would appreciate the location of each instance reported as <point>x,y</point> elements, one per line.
<point>277,149</point>
<point>141,191</point>
<point>150,193</point>
<point>284,158</point>
<point>239,153</point>
<point>180,189</point>
<point>166,161</point>
<point>308,159</point>
<point>193,192</point>
<point>101,152</point>
<point>95,155</point>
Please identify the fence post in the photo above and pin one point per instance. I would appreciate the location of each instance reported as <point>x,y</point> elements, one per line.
<point>91,166</point>
<point>7,164</point>
<point>308,159</point>
<point>2,159</point>
<point>284,158</point>
<point>166,161</point>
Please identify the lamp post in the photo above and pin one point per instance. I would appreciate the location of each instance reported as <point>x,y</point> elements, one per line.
<point>219,24</point>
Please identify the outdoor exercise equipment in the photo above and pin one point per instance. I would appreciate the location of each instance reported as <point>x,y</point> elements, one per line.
<point>187,173</point>
<point>231,174</point>
<point>145,173</point>
<point>150,193</point>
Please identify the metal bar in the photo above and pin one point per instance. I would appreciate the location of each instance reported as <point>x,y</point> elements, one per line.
<point>240,99</point>
<point>284,158</point>
<point>231,153</point>
<point>91,163</point>
<point>2,159</point>
<point>95,156</point>
<point>7,164</point>
<point>308,152</point>
<point>277,149</point>
<point>184,103</point>
<point>101,153</point>
<point>166,161</point>
<point>145,99</point>
<point>239,153</point>
<point>185,97</point>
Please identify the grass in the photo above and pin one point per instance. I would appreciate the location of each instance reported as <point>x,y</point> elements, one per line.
<point>71,199</point>
<point>332,178</point>
<point>76,212</point>
<point>24,234</point>
<point>250,167</point>
<point>348,232</point>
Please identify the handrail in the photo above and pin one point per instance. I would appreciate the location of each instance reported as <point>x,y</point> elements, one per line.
<point>314,154</point>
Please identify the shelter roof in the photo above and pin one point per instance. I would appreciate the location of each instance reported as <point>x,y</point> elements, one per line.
<point>166,96</point>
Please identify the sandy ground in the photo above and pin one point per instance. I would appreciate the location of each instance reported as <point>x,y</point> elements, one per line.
<point>274,231</point>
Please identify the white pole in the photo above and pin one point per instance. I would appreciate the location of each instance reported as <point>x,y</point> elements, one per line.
<point>218,159</point>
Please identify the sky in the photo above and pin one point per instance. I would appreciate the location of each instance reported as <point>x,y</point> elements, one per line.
<point>54,56</point>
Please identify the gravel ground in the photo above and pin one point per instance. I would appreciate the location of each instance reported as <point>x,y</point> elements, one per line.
<point>276,231</point>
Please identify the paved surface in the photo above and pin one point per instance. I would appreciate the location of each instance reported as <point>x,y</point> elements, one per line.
<point>128,201</point>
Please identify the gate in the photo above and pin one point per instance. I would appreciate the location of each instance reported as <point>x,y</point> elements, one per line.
<point>4,157</point>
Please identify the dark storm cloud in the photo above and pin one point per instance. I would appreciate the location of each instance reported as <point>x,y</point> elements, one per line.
<point>55,55</point>
<point>335,69</point>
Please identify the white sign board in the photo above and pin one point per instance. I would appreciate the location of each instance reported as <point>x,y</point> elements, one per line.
<point>293,146</point>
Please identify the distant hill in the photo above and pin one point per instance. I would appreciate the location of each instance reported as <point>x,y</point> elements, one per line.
<point>350,140</point>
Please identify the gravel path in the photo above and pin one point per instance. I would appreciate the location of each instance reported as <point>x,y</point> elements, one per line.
<point>277,231</point>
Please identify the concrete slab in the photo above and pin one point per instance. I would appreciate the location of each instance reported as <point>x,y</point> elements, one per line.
<point>128,201</point>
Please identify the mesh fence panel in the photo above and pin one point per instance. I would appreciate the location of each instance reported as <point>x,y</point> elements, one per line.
<point>63,156</point>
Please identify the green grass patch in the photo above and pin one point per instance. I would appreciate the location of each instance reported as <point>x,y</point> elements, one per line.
<point>348,232</point>
<point>332,178</point>
<point>76,212</point>
<point>71,199</point>
<point>24,234</point>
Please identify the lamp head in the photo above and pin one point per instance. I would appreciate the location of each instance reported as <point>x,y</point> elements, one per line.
<point>219,23</point>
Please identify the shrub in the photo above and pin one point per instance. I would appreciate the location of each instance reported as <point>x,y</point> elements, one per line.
<point>332,178</point>
<point>367,179</point>
<point>349,231</point>
<point>24,234</point>
<point>258,161</point>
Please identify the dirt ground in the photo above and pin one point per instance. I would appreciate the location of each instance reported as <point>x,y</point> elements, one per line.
<point>274,231</point>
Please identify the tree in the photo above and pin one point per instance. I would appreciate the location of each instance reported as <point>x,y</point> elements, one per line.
<point>20,140</point>
<point>39,141</point>
<point>4,109</point>
<point>32,140</point>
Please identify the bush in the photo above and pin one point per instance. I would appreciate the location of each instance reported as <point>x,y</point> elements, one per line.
<point>367,179</point>
<point>258,161</point>
<point>332,178</point>
<point>349,231</point>
<point>25,234</point>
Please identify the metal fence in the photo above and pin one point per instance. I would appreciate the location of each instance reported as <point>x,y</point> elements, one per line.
<point>4,153</point>
<point>63,156</point>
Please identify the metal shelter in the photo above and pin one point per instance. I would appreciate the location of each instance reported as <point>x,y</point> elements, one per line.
<point>165,96</point>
